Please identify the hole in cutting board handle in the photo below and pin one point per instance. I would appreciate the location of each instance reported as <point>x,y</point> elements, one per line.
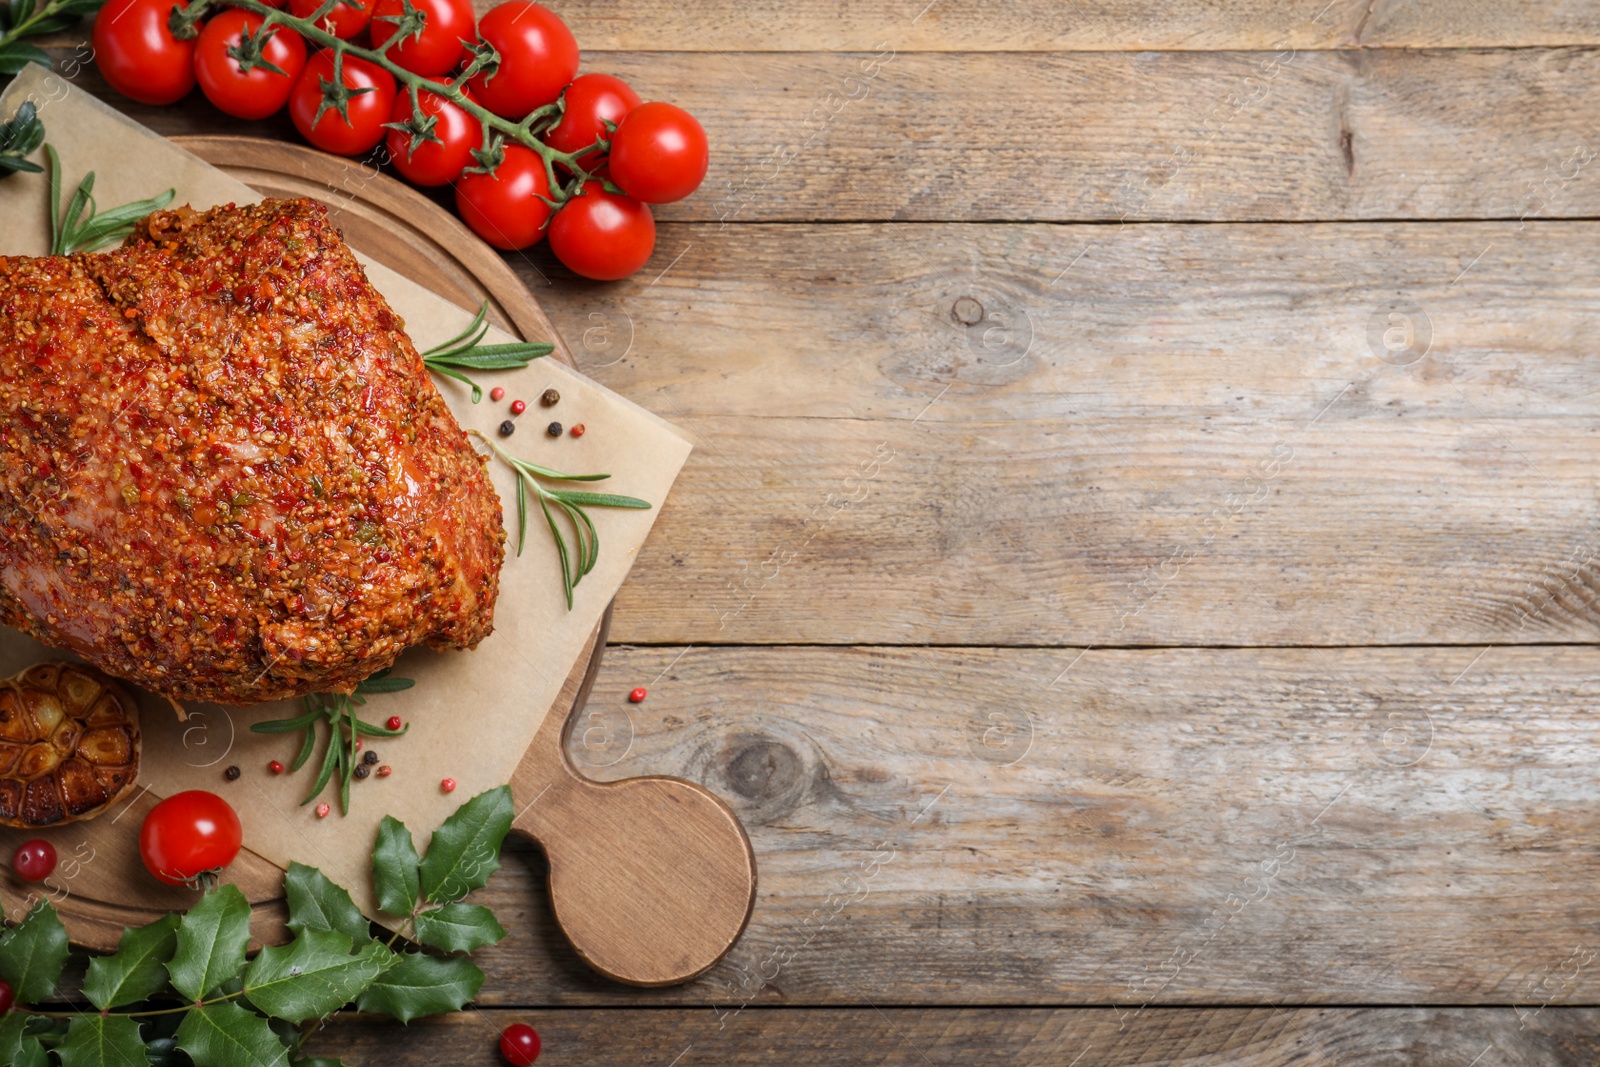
<point>652,879</point>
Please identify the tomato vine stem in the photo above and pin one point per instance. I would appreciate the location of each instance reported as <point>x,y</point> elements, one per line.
<point>497,130</point>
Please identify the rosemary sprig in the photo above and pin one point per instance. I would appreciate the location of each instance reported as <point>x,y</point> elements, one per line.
<point>82,226</point>
<point>337,712</point>
<point>568,502</point>
<point>464,352</point>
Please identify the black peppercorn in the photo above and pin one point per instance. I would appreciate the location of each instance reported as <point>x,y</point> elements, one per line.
<point>231,774</point>
<point>507,428</point>
<point>554,429</point>
<point>370,757</point>
<point>550,398</point>
<point>362,770</point>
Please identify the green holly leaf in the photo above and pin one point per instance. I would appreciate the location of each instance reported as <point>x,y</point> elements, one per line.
<point>212,938</point>
<point>422,985</point>
<point>137,970</point>
<point>465,850</point>
<point>32,1054</point>
<point>315,903</point>
<point>394,868</point>
<point>163,1052</point>
<point>11,1025</point>
<point>314,975</point>
<point>458,927</point>
<point>225,1035</point>
<point>102,1041</point>
<point>32,954</point>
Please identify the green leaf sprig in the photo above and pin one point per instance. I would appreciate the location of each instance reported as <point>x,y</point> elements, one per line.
<point>30,18</point>
<point>570,503</point>
<point>81,226</point>
<point>192,996</point>
<point>19,138</point>
<point>464,352</point>
<point>337,713</point>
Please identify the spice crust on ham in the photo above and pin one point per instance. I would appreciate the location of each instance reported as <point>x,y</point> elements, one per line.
<point>225,473</point>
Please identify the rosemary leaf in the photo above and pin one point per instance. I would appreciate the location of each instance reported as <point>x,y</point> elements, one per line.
<point>463,351</point>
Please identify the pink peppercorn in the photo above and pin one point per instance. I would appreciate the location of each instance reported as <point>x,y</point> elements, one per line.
<point>496,393</point>
<point>385,771</point>
<point>322,810</point>
<point>638,695</point>
<point>275,767</point>
<point>518,407</point>
<point>394,722</point>
<point>448,785</point>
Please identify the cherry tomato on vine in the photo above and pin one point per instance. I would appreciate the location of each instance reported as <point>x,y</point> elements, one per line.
<point>441,160</point>
<point>519,1044</point>
<point>137,54</point>
<point>258,92</point>
<point>438,50</point>
<point>344,21</point>
<point>538,57</point>
<point>189,835</point>
<point>659,153</point>
<point>367,111</point>
<point>592,99</point>
<point>504,207</point>
<point>35,860</point>
<point>601,235</point>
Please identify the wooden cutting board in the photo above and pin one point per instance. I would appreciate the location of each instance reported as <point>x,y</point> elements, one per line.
<point>652,879</point>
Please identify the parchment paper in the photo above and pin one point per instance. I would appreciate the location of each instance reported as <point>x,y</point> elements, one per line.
<point>472,714</point>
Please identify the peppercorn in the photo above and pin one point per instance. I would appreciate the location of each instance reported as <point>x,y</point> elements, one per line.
<point>385,771</point>
<point>275,767</point>
<point>232,774</point>
<point>507,428</point>
<point>358,744</point>
<point>638,695</point>
<point>322,810</point>
<point>370,758</point>
<point>448,785</point>
<point>550,398</point>
<point>394,722</point>
<point>554,429</point>
<point>496,393</point>
<point>362,770</point>
<point>518,407</point>
<point>577,431</point>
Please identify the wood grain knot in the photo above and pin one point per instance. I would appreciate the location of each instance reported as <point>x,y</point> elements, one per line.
<point>767,778</point>
<point>966,311</point>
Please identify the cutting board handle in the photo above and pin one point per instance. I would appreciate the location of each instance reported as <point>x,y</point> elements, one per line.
<point>652,879</point>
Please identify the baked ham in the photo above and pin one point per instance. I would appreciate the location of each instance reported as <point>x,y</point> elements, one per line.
<point>225,473</point>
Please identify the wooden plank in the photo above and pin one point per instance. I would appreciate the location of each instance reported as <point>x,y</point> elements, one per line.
<point>1132,136</point>
<point>1355,826</point>
<point>1167,435</point>
<point>1094,25</point>
<point>872,1037</point>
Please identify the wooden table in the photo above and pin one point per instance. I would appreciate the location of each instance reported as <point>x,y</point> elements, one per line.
<point>1136,577</point>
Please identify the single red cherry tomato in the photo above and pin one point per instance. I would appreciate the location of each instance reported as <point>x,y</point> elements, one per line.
<point>367,111</point>
<point>448,23</point>
<point>592,99</point>
<point>35,860</point>
<point>189,835</point>
<point>659,154</point>
<point>538,57</point>
<point>601,235</point>
<point>258,92</point>
<point>137,54</point>
<point>440,160</point>
<point>519,1044</point>
<point>344,22</point>
<point>504,207</point>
